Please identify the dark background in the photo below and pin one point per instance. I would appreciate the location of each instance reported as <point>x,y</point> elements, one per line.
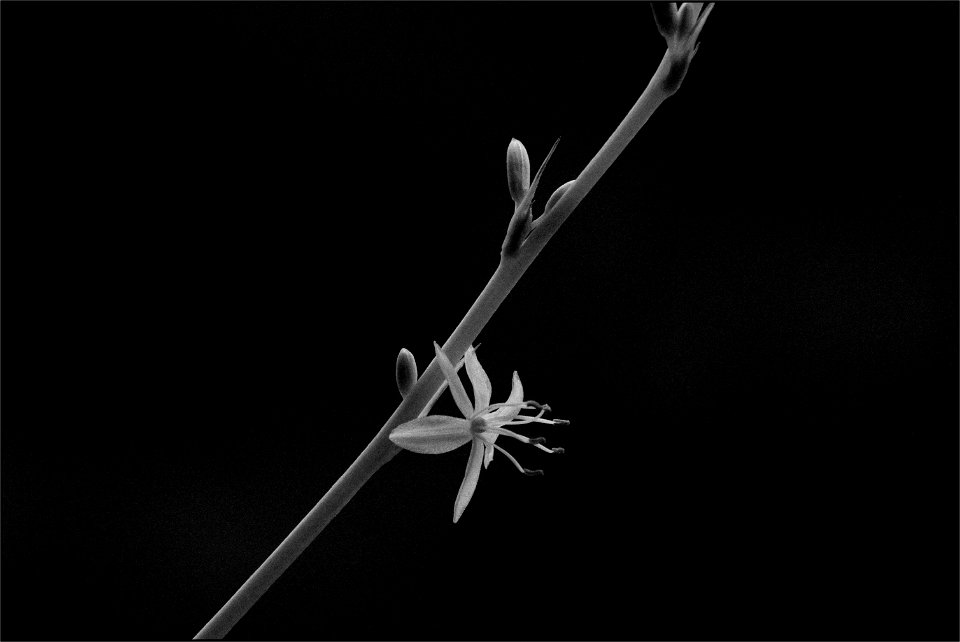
<point>222,221</point>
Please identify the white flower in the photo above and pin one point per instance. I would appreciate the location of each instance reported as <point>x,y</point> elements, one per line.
<point>483,422</point>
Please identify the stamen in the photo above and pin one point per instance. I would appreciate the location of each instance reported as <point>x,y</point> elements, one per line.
<point>525,471</point>
<point>539,406</point>
<point>525,418</point>
<point>507,433</point>
<point>523,405</point>
<point>519,420</point>
<point>537,441</point>
<point>545,449</point>
<point>504,404</point>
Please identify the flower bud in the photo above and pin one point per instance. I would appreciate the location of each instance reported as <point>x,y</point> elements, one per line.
<point>518,170</point>
<point>687,16</point>
<point>406,371</point>
<point>521,221</point>
<point>683,45</point>
<point>665,15</point>
<point>555,197</point>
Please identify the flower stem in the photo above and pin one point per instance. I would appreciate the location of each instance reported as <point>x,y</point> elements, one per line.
<point>381,450</point>
<point>649,100</point>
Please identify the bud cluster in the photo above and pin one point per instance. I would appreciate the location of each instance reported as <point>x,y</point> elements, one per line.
<point>522,191</point>
<point>680,28</point>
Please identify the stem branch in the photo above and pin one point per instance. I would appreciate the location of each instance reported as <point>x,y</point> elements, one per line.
<point>381,450</point>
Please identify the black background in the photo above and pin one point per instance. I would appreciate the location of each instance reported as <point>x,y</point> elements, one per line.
<point>222,221</point>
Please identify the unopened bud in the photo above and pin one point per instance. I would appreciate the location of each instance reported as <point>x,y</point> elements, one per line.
<point>406,371</point>
<point>521,221</point>
<point>665,15</point>
<point>557,194</point>
<point>687,16</point>
<point>518,170</point>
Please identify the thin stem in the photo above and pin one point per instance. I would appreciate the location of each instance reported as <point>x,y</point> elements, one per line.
<point>381,450</point>
<point>650,99</point>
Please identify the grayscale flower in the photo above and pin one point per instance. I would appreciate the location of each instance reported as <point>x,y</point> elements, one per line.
<point>481,424</point>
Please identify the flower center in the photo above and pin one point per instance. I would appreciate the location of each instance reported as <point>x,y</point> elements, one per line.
<point>478,425</point>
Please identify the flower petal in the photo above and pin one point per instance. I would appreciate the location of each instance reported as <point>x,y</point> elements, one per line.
<point>505,414</point>
<point>443,386</point>
<point>456,388</point>
<point>432,435</point>
<point>470,479</point>
<point>478,379</point>
<point>488,449</point>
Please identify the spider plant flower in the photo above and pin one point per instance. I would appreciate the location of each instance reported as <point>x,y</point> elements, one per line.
<point>480,426</point>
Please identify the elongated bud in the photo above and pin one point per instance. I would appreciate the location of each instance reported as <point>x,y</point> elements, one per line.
<point>687,16</point>
<point>518,170</point>
<point>406,371</point>
<point>665,15</point>
<point>557,194</point>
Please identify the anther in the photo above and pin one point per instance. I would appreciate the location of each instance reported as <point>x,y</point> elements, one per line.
<point>558,451</point>
<point>539,406</point>
<point>532,473</point>
<point>561,422</point>
<point>536,441</point>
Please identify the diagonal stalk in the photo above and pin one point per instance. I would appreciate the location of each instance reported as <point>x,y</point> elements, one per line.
<point>381,450</point>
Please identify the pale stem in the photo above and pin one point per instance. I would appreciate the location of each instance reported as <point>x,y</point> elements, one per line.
<point>381,450</point>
